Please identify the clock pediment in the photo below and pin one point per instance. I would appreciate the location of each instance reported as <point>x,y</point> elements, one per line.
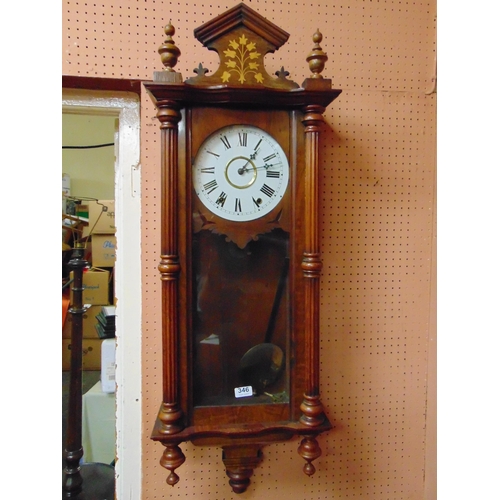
<point>242,38</point>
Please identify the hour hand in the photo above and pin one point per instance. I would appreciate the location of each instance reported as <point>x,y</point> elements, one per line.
<point>244,168</point>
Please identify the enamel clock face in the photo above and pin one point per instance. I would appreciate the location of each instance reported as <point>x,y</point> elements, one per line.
<point>240,173</point>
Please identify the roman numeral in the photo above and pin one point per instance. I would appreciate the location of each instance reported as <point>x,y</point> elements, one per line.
<point>258,144</point>
<point>270,157</point>
<point>207,170</point>
<point>225,142</point>
<point>257,202</point>
<point>274,174</point>
<point>267,190</point>
<point>215,154</point>
<point>243,139</point>
<point>221,199</point>
<point>210,186</point>
<point>237,205</point>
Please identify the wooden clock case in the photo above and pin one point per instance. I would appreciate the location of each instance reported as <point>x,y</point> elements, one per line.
<point>189,112</point>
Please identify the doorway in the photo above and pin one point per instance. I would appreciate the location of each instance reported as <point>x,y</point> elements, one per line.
<point>124,107</point>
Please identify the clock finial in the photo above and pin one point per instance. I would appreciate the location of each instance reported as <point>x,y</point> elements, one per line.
<point>169,53</point>
<point>317,58</point>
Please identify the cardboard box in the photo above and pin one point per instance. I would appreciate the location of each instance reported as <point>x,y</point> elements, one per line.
<point>89,322</point>
<point>102,217</point>
<point>103,250</point>
<point>91,354</point>
<point>96,287</point>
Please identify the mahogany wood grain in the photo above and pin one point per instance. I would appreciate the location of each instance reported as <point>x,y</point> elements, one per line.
<point>311,407</point>
<point>296,127</point>
<point>170,412</point>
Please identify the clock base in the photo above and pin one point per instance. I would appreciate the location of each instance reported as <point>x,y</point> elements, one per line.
<point>241,446</point>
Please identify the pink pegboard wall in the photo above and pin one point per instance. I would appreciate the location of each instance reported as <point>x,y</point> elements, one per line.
<point>377,234</point>
<point>372,44</point>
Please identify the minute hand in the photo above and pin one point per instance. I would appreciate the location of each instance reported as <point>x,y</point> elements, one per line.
<point>267,167</point>
<point>244,169</point>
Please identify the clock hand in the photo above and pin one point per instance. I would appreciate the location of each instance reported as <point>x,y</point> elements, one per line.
<point>267,167</point>
<point>244,168</point>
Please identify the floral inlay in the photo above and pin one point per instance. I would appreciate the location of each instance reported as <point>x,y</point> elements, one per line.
<point>240,59</point>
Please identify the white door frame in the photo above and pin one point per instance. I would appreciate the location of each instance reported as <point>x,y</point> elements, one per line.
<point>126,107</point>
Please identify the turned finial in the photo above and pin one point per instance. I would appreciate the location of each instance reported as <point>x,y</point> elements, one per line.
<point>168,51</point>
<point>317,57</point>
<point>169,54</point>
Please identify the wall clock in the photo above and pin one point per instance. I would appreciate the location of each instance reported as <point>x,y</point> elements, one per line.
<point>240,262</point>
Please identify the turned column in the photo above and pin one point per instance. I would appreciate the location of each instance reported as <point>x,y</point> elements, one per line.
<point>72,479</point>
<point>311,407</point>
<point>170,415</point>
<point>170,412</point>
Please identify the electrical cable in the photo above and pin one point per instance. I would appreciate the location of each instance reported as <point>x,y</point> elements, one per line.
<point>90,147</point>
